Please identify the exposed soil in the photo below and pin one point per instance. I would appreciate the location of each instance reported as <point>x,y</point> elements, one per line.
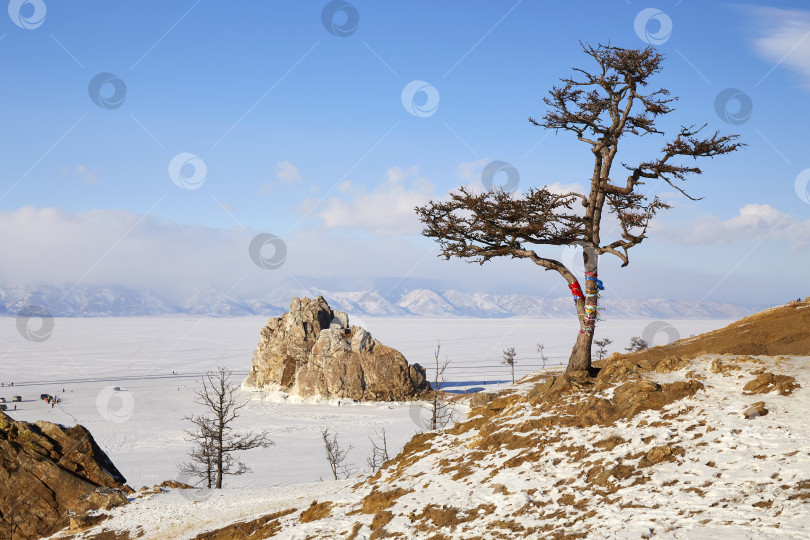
<point>782,330</point>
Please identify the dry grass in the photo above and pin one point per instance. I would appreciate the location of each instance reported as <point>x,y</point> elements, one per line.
<point>378,500</point>
<point>264,527</point>
<point>316,511</point>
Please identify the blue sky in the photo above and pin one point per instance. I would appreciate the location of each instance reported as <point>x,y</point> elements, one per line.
<point>304,135</point>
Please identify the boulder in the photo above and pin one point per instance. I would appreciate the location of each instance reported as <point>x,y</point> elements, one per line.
<point>313,351</point>
<point>50,474</point>
<point>757,409</point>
<point>767,382</point>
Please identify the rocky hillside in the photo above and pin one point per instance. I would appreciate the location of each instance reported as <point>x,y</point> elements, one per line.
<point>707,437</point>
<point>50,477</point>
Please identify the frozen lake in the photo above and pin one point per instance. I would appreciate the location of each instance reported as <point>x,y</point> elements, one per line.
<point>157,363</point>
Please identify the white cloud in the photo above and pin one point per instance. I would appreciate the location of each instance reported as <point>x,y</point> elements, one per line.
<point>111,247</point>
<point>755,222</point>
<point>287,173</point>
<point>51,246</point>
<point>470,171</point>
<point>785,39</point>
<point>87,174</point>
<point>387,209</point>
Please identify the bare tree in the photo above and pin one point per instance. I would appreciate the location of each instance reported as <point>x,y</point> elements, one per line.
<point>335,455</point>
<point>637,344</point>
<point>543,357</point>
<point>441,412</point>
<point>509,356</point>
<point>379,451</point>
<point>602,344</point>
<point>203,463</point>
<point>213,436</point>
<point>599,107</point>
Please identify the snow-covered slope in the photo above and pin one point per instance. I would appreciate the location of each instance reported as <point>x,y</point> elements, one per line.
<point>694,468</point>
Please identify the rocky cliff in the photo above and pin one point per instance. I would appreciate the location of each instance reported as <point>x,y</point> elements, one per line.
<point>49,474</point>
<point>313,351</point>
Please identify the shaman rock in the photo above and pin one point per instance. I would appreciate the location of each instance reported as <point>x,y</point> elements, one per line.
<point>313,351</point>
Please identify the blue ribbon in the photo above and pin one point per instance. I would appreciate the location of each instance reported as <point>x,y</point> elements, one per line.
<point>599,283</point>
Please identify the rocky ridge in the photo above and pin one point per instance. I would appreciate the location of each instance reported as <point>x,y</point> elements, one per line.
<point>51,476</point>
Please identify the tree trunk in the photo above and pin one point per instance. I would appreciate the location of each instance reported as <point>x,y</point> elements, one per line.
<point>220,457</point>
<point>580,359</point>
<point>587,310</point>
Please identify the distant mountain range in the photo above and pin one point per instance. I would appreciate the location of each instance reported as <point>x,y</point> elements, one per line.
<point>89,301</point>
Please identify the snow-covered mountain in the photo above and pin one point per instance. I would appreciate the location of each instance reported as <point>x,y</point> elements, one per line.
<point>84,301</point>
<point>88,301</point>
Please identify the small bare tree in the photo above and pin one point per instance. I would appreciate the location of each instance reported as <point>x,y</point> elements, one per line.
<point>203,463</point>
<point>637,344</point>
<point>509,359</point>
<point>211,457</point>
<point>379,451</point>
<point>335,455</point>
<point>601,345</point>
<point>543,357</point>
<point>441,412</point>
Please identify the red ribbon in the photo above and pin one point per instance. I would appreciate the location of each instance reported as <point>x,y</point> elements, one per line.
<point>575,290</point>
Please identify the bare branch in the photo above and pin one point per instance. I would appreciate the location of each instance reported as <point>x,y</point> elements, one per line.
<point>335,455</point>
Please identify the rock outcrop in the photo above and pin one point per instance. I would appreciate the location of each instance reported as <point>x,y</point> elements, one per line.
<point>313,351</point>
<point>49,474</point>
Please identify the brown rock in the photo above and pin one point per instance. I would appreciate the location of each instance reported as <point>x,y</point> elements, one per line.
<point>670,364</point>
<point>481,398</point>
<point>718,366</point>
<point>313,351</point>
<point>657,454</point>
<point>757,409</point>
<point>49,473</point>
<point>80,522</point>
<point>174,484</point>
<point>768,382</point>
<point>629,398</point>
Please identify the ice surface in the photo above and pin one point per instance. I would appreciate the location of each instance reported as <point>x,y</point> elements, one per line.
<point>157,363</point>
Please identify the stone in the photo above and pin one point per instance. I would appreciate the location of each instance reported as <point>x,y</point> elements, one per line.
<point>481,398</point>
<point>767,382</point>
<point>313,351</point>
<point>757,409</point>
<point>657,454</point>
<point>50,476</point>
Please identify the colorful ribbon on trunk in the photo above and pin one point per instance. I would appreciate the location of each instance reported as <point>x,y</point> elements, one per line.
<point>592,287</point>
